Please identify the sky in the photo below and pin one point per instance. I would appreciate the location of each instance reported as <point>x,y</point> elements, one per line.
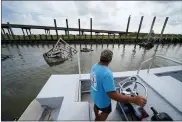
<point>107,15</point>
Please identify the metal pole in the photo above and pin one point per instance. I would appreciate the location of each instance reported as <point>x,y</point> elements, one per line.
<point>162,31</point>
<point>127,28</point>
<point>56,28</point>
<point>67,28</point>
<point>141,20</point>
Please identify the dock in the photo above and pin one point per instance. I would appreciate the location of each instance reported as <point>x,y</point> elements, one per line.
<point>96,36</point>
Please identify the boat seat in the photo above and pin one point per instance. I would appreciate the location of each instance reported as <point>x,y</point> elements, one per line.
<point>75,111</point>
<point>168,87</point>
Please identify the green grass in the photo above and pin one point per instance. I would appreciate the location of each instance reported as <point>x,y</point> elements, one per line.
<point>65,37</point>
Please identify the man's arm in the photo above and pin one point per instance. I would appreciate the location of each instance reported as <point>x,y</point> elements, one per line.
<point>139,100</point>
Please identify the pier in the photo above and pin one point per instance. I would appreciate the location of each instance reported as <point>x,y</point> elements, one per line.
<point>96,36</point>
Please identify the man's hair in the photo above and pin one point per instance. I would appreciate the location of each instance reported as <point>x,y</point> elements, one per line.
<point>106,56</point>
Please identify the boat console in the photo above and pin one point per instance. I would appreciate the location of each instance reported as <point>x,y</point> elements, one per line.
<point>134,86</point>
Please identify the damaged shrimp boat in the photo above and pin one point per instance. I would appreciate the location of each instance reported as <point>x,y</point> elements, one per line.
<point>148,42</point>
<point>151,38</point>
<point>67,97</point>
<point>59,53</point>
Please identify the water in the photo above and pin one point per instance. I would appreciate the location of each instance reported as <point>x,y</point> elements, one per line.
<point>25,72</point>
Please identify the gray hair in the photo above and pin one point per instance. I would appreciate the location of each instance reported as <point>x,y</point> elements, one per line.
<point>106,55</point>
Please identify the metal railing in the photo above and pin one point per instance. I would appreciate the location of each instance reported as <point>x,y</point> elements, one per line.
<point>151,59</point>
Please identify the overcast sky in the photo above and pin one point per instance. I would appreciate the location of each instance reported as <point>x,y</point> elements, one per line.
<point>111,15</point>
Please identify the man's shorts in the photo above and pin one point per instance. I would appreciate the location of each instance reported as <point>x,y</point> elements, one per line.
<point>106,109</point>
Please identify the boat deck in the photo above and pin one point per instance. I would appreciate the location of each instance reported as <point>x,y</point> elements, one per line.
<point>115,115</point>
<point>70,98</point>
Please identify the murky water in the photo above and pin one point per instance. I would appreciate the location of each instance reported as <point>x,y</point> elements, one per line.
<point>26,71</point>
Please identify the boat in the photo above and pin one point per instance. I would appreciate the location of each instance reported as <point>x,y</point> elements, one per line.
<point>67,97</point>
<point>147,45</point>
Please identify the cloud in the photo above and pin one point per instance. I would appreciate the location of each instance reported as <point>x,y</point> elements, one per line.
<point>112,15</point>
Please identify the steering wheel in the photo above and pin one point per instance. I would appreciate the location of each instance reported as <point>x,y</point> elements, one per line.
<point>130,81</point>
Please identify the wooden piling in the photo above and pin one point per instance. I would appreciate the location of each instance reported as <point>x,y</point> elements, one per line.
<point>62,36</point>
<point>90,28</point>
<point>49,32</point>
<point>152,25</point>
<point>46,34</point>
<point>27,33</point>
<point>51,38</point>
<point>102,38</point>
<point>128,24</point>
<point>40,37</point>
<point>23,33</point>
<point>108,38</point>
<point>79,28</point>
<point>19,37</point>
<point>119,38</point>
<point>163,28</point>
<point>30,34</point>
<point>35,37</point>
<point>3,32</point>
<point>10,29</point>
<point>56,28</point>
<point>96,37</point>
<point>67,29</point>
<point>141,20</point>
<point>8,36</point>
<point>2,36</point>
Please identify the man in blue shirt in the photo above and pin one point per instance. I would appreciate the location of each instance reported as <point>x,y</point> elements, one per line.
<point>103,88</point>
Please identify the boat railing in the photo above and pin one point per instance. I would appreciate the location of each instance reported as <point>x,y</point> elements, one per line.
<point>151,62</point>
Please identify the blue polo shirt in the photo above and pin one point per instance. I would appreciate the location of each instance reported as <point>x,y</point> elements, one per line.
<point>102,81</point>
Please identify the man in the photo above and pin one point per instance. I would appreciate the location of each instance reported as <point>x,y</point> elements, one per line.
<point>103,89</point>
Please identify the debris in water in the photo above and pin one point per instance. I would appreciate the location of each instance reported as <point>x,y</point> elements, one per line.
<point>59,53</point>
<point>86,49</point>
<point>4,57</point>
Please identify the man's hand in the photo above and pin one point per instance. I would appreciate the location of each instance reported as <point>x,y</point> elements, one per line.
<point>140,100</point>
